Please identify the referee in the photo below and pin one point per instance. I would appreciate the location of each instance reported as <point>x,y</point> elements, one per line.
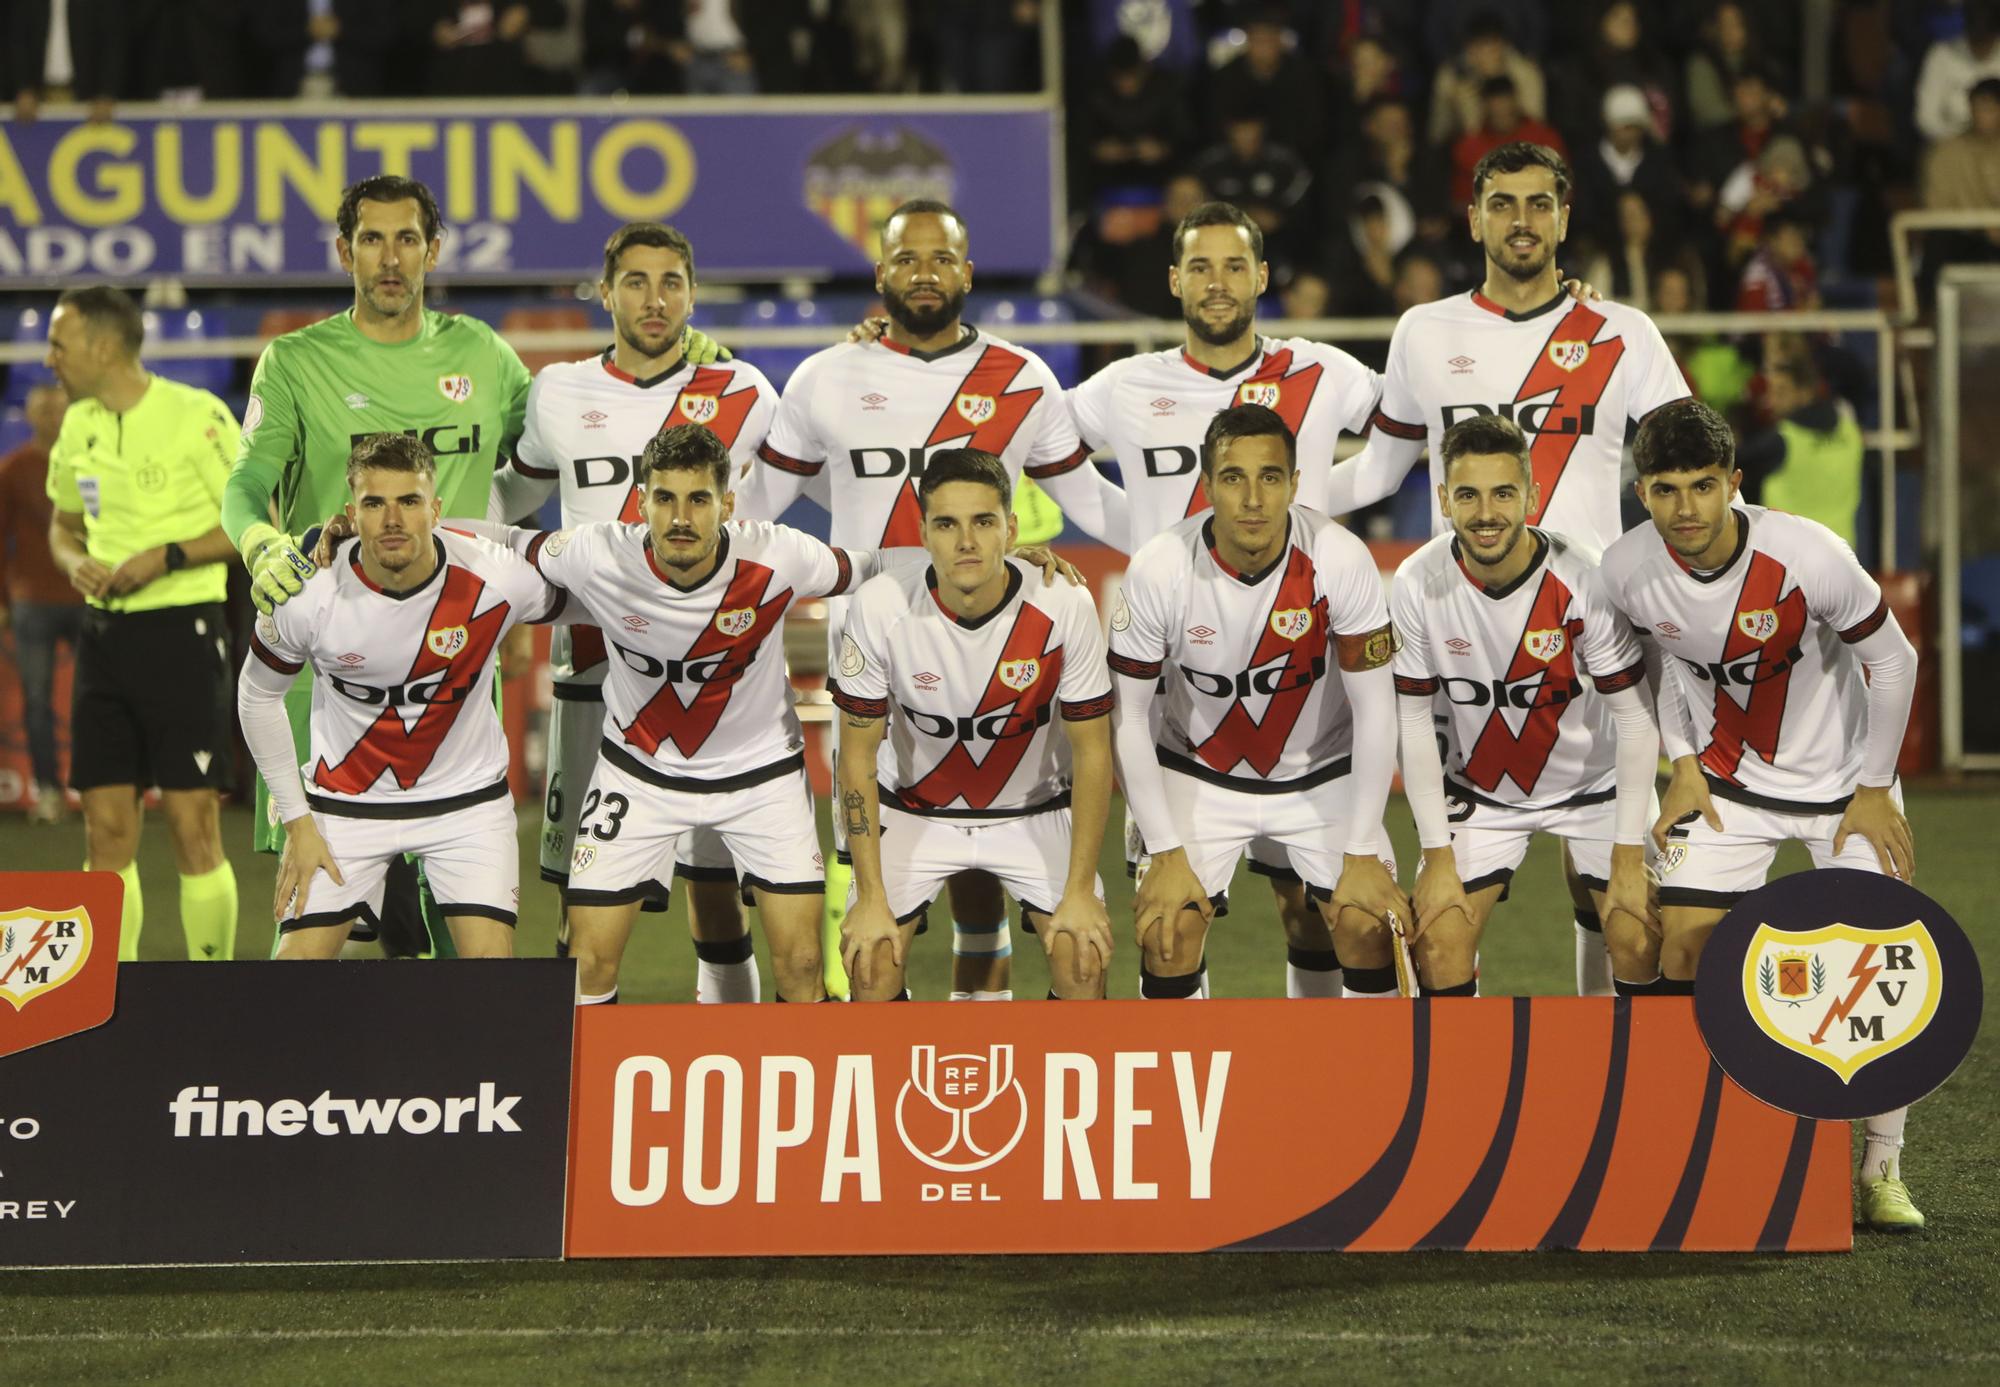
<point>136,478</point>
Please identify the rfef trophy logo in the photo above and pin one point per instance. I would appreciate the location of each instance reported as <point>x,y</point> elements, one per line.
<point>1838,994</point>
<point>980,1110</point>
<point>58,954</point>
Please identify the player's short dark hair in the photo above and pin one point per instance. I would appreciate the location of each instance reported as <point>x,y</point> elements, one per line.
<point>390,452</point>
<point>1245,421</point>
<point>1684,436</point>
<point>108,308</point>
<point>656,234</point>
<point>923,207</point>
<point>387,187</point>
<point>1485,435</point>
<point>1218,214</point>
<point>1519,155</point>
<point>685,448</point>
<point>964,465</point>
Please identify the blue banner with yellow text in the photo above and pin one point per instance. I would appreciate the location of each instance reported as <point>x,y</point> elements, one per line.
<point>213,199</point>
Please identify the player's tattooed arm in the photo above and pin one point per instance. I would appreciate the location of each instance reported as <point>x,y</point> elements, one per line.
<point>854,815</point>
<point>1368,650</point>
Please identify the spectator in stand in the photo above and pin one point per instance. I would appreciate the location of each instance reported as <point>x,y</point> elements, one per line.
<point>985,45</point>
<point>1124,252</point>
<point>1458,99</point>
<point>1619,58</point>
<point>1625,158</point>
<point>1267,180</point>
<point>1726,49</point>
<point>1135,122</point>
<point>476,47</point>
<point>1748,170</point>
<point>1781,276</point>
<point>1715,369</point>
<point>1622,266</point>
<point>714,54</point>
<point>1808,461</point>
<point>1418,280</point>
<point>1962,173</point>
<point>1269,80</point>
<point>1501,121</point>
<point>1390,160</point>
<point>1362,252</point>
<point>36,602</point>
<point>631,46</point>
<point>1952,67</point>
<point>1371,73</point>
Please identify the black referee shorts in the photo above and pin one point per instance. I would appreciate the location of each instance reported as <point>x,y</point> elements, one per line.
<point>151,703</point>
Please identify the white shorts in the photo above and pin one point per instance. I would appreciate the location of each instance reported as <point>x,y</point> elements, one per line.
<point>576,730</point>
<point>920,852</point>
<point>1217,825</point>
<point>1702,867</point>
<point>471,857</point>
<point>1490,840</point>
<point>1267,856</point>
<point>631,829</point>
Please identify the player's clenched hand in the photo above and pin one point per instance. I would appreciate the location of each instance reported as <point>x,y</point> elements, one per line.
<point>866,926</point>
<point>1365,885</point>
<point>1052,566</point>
<point>1873,814</point>
<point>1081,916</point>
<point>278,569</point>
<point>306,854</point>
<point>1630,890</point>
<point>1439,892</point>
<point>868,330</point>
<point>1169,887</point>
<point>1686,797</point>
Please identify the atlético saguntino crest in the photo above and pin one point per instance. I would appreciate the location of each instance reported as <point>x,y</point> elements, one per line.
<point>40,950</point>
<point>1292,622</point>
<point>1569,354</point>
<point>1544,645</point>
<point>1759,625</point>
<point>1259,392</point>
<point>446,641</point>
<point>975,409</point>
<point>1019,674</point>
<point>736,620</point>
<point>698,409</point>
<point>1841,995</point>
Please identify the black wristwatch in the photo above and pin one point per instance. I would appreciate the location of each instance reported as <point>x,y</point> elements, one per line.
<point>176,558</point>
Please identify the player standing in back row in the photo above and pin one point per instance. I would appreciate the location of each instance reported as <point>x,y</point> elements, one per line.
<point>1576,375</point>
<point>587,424</point>
<point>866,415</point>
<point>1785,695</point>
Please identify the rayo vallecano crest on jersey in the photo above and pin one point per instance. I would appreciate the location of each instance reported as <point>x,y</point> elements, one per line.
<point>1839,995</point>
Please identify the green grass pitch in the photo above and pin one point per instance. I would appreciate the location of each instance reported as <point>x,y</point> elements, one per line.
<point>1919,1309</point>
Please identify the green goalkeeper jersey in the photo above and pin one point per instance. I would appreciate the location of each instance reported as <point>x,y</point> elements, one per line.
<point>456,385</point>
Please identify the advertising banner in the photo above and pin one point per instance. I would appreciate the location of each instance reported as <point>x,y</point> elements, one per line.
<point>213,198</point>
<point>1494,1124</point>
<point>59,936</point>
<point>263,1112</point>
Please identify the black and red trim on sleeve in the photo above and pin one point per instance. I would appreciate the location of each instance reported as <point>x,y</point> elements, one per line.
<point>1623,679</point>
<point>843,571</point>
<point>535,549</point>
<point>1056,469</point>
<point>1086,709</point>
<point>540,474</point>
<point>1868,625</point>
<point>561,600</point>
<point>796,466</point>
<point>1135,669</point>
<point>271,658</point>
<point>1396,428</point>
<point>860,707</point>
<point>1417,688</point>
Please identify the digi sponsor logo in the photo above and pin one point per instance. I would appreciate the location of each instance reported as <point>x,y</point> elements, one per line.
<point>41,950</point>
<point>200,1110</point>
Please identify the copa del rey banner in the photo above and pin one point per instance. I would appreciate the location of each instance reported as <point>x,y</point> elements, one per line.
<point>1502,1123</point>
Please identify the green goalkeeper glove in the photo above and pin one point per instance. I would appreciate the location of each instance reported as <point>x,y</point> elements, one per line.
<point>278,568</point>
<point>699,349</point>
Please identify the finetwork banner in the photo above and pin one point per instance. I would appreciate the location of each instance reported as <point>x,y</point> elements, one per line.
<point>277,1112</point>
<point>527,196</point>
<point>1471,1123</point>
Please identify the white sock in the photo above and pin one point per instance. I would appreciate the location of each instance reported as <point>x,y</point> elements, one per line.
<point>585,999</point>
<point>1882,1146</point>
<point>1005,994</point>
<point>1312,973</point>
<point>1593,963</point>
<point>726,971</point>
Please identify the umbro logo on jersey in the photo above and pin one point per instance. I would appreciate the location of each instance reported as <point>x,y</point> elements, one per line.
<point>1544,645</point>
<point>1759,625</point>
<point>736,621</point>
<point>927,679</point>
<point>1163,405</point>
<point>1669,630</point>
<point>446,641</point>
<point>1461,364</point>
<point>1458,645</point>
<point>1202,635</point>
<point>457,389</point>
<point>1292,622</point>
<point>355,401</point>
<point>975,409</point>
<point>351,658</point>
<point>874,400</point>
<point>595,419</point>
<point>1569,355</point>
<point>636,623</point>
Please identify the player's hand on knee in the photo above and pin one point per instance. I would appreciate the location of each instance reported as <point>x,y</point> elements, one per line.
<point>306,854</point>
<point>1630,890</point>
<point>863,931</point>
<point>1686,798</point>
<point>1082,919</point>
<point>1365,885</point>
<point>1873,814</point>
<point>1439,891</point>
<point>1169,887</point>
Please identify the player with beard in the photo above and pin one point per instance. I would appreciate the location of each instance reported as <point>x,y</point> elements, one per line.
<point>865,415</point>
<point>587,423</point>
<point>1783,702</point>
<point>1576,376</point>
<point>1150,411</point>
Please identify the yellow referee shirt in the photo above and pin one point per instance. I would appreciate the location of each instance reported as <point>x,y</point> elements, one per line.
<point>150,476</point>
